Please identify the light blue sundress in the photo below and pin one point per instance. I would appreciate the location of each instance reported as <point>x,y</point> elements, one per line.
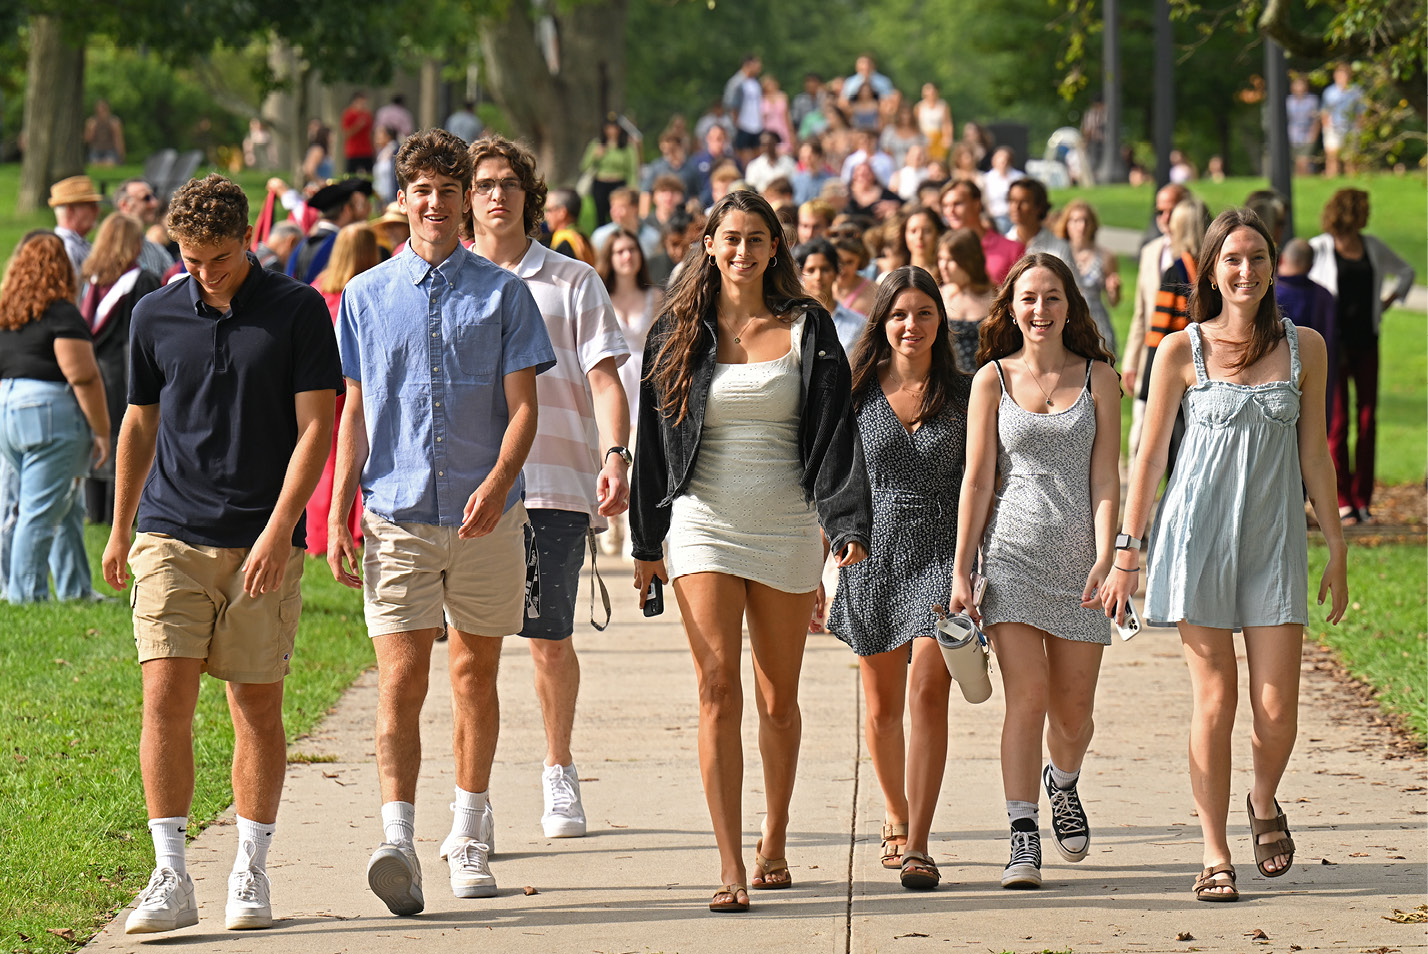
<point>1230,544</point>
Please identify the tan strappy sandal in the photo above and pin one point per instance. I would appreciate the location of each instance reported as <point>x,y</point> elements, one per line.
<point>769,866</point>
<point>726,899</point>
<point>892,851</point>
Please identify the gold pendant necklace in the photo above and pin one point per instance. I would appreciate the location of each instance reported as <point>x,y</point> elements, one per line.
<point>1029,371</point>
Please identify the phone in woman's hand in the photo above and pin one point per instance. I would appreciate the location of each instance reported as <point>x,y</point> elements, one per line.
<point>654,597</point>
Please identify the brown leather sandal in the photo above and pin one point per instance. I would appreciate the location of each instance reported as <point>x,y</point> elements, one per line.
<point>1268,850</point>
<point>919,871</point>
<point>731,903</point>
<point>892,851</point>
<point>1211,884</point>
<point>769,866</point>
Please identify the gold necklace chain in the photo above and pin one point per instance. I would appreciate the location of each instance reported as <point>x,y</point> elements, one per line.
<point>1049,403</point>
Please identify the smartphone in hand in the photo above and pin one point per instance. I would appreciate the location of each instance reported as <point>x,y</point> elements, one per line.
<point>1130,622</point>
<point>654,597</point>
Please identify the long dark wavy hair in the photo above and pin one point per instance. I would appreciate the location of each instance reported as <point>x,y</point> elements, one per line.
<point>1000,336</point>
<point>691,304</point>
<point>1206,302</point>
<point>945,381</point>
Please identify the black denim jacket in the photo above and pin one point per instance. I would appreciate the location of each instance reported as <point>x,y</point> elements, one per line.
<point>834,480</point>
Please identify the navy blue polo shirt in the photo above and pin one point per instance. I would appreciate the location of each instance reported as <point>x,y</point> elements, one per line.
<point>225,386</point>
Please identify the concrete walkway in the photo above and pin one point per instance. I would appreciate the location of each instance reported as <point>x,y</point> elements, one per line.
<point>641,880</point>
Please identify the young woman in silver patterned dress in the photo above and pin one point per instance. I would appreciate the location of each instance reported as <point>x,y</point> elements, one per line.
<point>1040,496</point>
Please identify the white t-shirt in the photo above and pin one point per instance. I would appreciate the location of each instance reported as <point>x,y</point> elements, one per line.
<point>565,459</point>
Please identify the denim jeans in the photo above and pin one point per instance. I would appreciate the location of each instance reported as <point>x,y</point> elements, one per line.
<point>45,443</point>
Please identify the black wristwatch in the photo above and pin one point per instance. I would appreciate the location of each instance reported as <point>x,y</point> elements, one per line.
<point>1125,541</point>
<point>624,453</point>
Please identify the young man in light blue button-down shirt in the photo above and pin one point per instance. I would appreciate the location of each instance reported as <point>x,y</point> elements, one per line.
<point>440,350</point>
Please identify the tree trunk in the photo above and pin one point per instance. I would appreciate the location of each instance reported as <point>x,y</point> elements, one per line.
<point>54,112</point>
<point>559,110</point>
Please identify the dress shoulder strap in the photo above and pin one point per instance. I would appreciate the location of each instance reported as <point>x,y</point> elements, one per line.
<point>1197,352</point>
<point>1000,376</point>
<point>1295,367</point>
<point>795,336</point>
<point>1087,382</point>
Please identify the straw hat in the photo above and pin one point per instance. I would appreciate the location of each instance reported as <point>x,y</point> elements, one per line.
<point>73,191</point>
<point>393,216</point>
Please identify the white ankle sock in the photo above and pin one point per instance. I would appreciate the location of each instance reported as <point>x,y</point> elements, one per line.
<point>253,841</point>
<point>399,823</point>
<point>1063,780</point>
<point>169,835</point>
<point>466,813</point>
<point>1017,810</point>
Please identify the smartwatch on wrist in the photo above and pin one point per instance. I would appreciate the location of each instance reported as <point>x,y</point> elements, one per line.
<point>1125,541</point>
<point>627,457</point>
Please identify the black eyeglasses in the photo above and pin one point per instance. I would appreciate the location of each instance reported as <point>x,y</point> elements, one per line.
<point>487,186</point>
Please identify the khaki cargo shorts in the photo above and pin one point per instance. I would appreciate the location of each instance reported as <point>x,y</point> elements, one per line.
<point>189,603</point>
<point>411,572</point>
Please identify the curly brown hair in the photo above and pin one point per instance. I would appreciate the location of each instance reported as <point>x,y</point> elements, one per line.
<point>433,152</point>
<point>523,164</point>
<point>39,274</point>
<point>1346,212</point>
<point>208,211</point>
<point>1000,335</point>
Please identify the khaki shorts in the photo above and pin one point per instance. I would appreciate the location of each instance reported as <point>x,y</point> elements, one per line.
<point>411,572</point>
<point>189,603</point>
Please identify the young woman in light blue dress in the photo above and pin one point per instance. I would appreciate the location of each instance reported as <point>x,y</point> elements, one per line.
<point>1229,549</point>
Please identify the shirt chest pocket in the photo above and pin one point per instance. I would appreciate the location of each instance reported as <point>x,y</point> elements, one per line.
<point>478,349</point>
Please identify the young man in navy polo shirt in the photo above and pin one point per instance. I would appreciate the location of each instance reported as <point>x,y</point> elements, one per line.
<point>233,381</point>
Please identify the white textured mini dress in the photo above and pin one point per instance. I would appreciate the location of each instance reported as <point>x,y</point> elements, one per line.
<point>743,512</point>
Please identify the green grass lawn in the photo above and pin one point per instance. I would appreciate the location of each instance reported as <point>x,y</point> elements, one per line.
<point>74,845</point>
<point>1398,206</point>
<point>1382,640</point>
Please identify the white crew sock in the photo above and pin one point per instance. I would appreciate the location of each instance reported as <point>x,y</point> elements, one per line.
<point>169,835</point>
<point>253,841</point>
<point>1063,780</point>
<point>399,823</point>
<point>1017,810</point>
<point>466,814</point>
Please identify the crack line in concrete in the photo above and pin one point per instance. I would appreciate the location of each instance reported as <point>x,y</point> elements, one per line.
<point>853,824</point>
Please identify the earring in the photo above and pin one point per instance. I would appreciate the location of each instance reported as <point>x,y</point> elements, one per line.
<point>1214,287</point>
<point>773,261</point>
<point>1271,282</point>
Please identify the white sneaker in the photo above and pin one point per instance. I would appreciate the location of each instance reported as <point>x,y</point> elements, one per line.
<point>564,814</point>
<point>249,906</point>
<point>166,904</point>
<point>394,875</point>
<point>471,870</point>
<point>486,833</point>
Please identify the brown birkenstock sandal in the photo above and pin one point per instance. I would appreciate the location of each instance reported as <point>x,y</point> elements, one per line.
<point>726,899</point>
<point>1280,846</point>
<point>919,871</point>
<point>765,867</point>
<point>1211,884</point>
<point>892,851</point>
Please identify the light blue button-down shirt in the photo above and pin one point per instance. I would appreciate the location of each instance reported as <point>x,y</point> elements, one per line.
<point>430,346</point>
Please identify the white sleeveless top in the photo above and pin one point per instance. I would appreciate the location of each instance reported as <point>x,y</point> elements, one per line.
<point>743,512</point>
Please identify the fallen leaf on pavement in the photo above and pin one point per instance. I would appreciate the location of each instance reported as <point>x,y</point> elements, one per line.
<point>1184,936</point>
<point>910,934</point>
<point>1257,935</point>
<point>1418,915</point>
<point>530,891</point>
